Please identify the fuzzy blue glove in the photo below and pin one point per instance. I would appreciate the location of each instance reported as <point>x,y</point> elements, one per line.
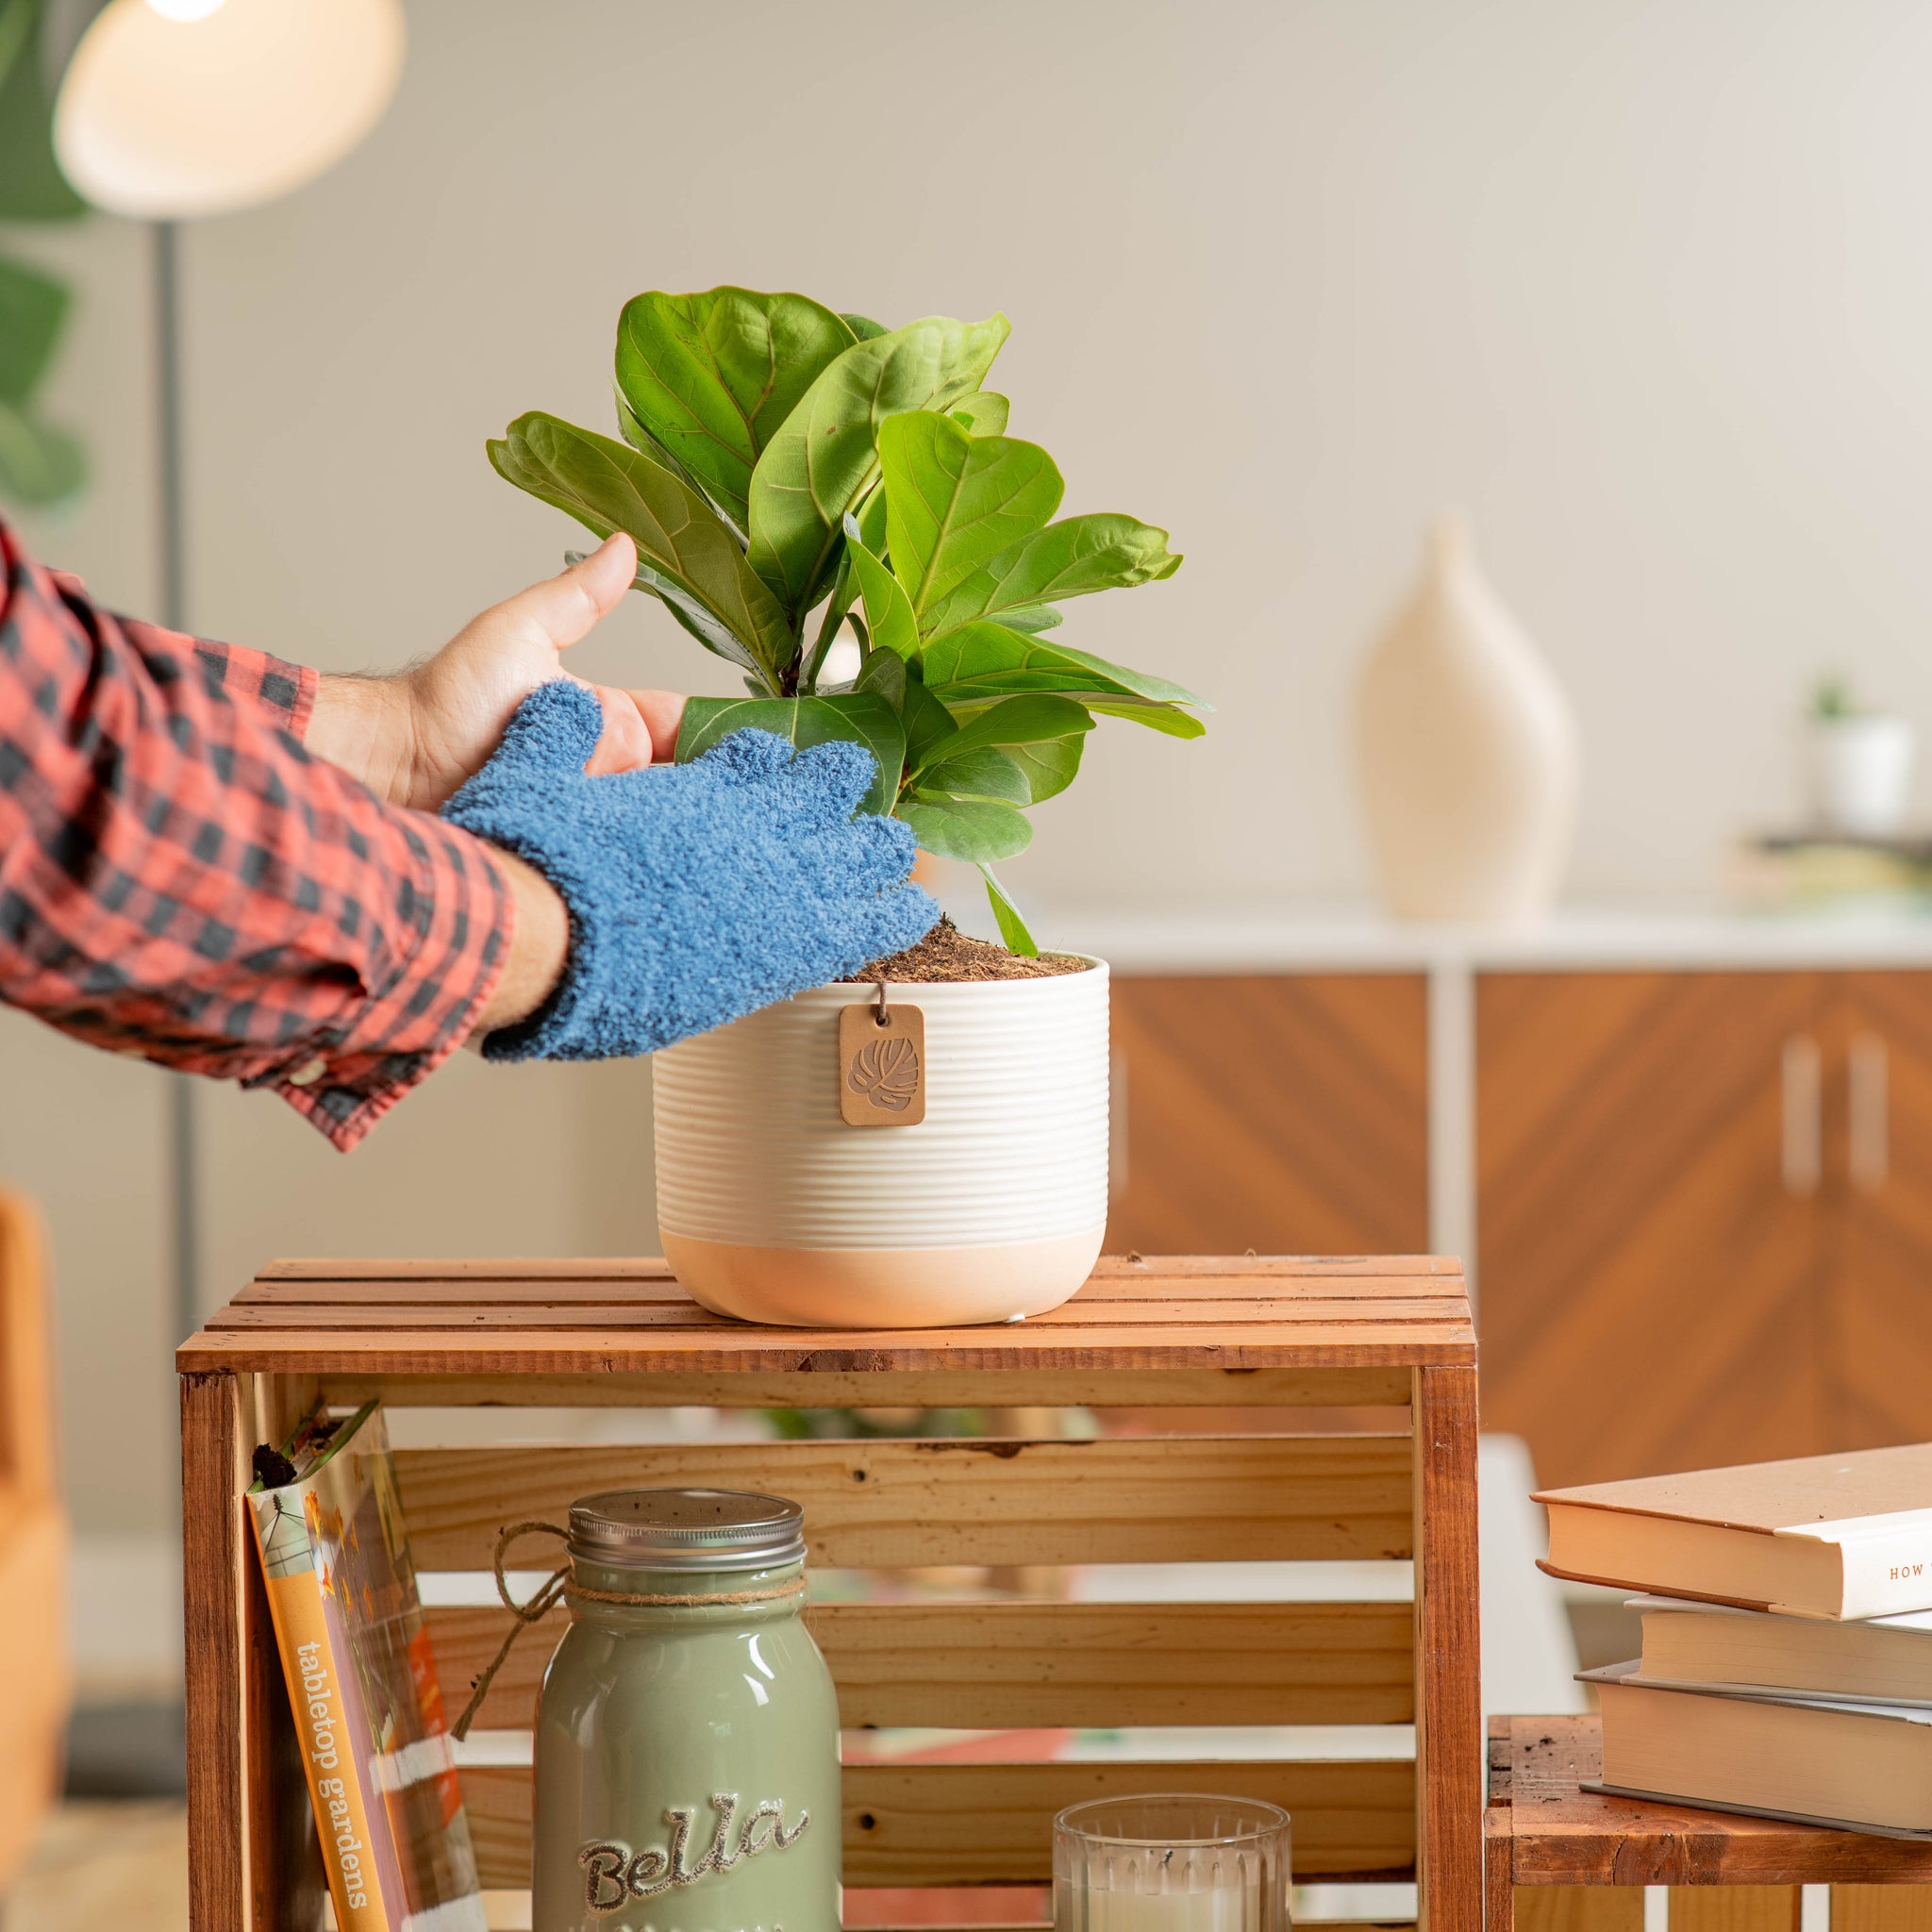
<point>696,892</point>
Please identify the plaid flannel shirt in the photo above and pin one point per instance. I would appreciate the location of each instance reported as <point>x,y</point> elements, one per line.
<point>180,879</point>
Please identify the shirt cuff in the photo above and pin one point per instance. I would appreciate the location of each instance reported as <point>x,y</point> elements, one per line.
<point>464,922</point>
<point>254,677</point>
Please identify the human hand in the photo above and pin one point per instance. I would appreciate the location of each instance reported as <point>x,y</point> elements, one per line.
<point>695,894</point>
<point>414,738</point>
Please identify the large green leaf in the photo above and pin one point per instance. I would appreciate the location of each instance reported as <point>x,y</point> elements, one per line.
<point>887,610</point>
<point>712,377</point>
<point>1070,558</point>
<point>982,774</point>
<point>38,465</point>
<point>954,501</point>
<point>1042,736</point>
<point>925,719</point>
<point>1168,719</point>
<point>857,717</point>
<point>32,308</point>
<point>686,554</point>
<point>818,465</point>
<point>974,829</point>
<point>984,660</point>
<point>984,412</point>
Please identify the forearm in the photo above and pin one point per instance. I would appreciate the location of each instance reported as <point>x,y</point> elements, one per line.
<point>538,945</point>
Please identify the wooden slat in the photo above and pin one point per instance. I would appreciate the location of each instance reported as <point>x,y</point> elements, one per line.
<point>1179,1389</point>
<point>901,1504</point>
<point>1014,1666</point>
<point>212,1554</point>
<point>1449,1721</point>
<point>1881,1908</point>
<point>363,1310</point>
<point>992,1824</point>
<point>655,1268</point>
<point>1579,1908</point>
<point>1735,1908</point>
<point>1362,1343</point>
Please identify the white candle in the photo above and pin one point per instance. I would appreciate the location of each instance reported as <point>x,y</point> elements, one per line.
<point>1227,1908</point>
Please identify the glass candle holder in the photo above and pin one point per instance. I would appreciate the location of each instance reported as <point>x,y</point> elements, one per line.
<point>1173,1863</point>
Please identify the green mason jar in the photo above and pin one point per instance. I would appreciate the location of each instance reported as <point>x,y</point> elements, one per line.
<point>687,1758</point>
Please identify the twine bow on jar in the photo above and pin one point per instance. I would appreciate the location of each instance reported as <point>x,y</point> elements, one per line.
<point>559,1588</point>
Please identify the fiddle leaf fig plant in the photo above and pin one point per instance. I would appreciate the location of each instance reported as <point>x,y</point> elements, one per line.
<point>788,472</point>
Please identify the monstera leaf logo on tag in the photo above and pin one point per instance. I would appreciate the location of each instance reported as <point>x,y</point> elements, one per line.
<point>887,1073</point>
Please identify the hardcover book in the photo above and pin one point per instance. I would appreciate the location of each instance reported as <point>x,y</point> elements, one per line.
<point>1876,1660</point>
<point>363,1686</point>
<point>1820,1536</point>
<point>1854,1767</point>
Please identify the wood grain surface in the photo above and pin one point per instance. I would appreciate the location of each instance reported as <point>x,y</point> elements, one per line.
<point>1650,1289</point>
<point>1271,1113</point>
<point>895,1505</point>
<point>1560,1835</point>
<point>1021,1666</point>
<point>992,1823</point>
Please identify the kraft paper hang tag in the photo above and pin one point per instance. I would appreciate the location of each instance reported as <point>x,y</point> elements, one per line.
<point>881,1065</point>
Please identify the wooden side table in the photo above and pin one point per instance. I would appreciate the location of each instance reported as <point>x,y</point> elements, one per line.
<point>1178,1335</point>
<point>1561,1859</point>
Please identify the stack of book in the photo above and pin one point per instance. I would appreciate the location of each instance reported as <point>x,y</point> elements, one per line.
<point>1787,1666</point>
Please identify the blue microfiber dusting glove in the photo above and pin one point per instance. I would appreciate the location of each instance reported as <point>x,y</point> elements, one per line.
<point>696,892</point>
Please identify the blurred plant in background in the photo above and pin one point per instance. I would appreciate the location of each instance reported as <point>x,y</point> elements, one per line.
<point>39,463</point>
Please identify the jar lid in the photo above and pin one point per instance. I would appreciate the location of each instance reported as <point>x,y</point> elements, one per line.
<point>687,1529</point>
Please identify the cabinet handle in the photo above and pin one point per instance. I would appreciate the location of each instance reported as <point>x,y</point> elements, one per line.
<point>1870,1068</point>
<point>1803,1112</point>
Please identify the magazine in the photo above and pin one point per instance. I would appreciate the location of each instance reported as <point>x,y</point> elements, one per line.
<point>363,1686</point>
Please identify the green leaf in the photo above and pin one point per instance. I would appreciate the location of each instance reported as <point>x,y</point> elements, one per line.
<point>982,774</point>
<point>854,717</point>
<point>954,501</point>
<point>863,327</point>
<point>712,377</point>
<point>823,461</point>
<point>1043,737</point>
<point>990,660</point>
<point>984,412</point>
<point>887,611</point>
<point>1070,558</point>
<point>1164,718</point>
<point>32,308</point>
<point>1031,618</point>
<point>32,188</point>
<point>925,720</point>
<point>970,828</point>
<point>38,465</point>
<point>1012,927</point>
<point>686,554</point>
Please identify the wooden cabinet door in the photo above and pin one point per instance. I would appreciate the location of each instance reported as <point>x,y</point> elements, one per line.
<point>1878,1357</point>
<point>1286,1114</point>
<point>1648,1218</point>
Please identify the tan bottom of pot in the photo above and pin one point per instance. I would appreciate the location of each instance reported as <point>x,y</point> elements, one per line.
<point>883,1288</point>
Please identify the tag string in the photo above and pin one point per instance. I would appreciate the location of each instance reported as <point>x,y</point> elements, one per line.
<point>557,1588</point>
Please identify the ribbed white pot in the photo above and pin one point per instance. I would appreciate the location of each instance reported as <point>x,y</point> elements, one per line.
<point>772,1208</point>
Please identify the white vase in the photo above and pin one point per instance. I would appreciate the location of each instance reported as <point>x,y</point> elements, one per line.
<point>772,1208</point>
<point>1861,774</point>
<point>1467,750</point>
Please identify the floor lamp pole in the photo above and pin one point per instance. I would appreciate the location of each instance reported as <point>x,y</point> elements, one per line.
<point>182,1136</point>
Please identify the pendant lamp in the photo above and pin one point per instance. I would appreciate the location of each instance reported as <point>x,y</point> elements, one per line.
<point>176,108</point>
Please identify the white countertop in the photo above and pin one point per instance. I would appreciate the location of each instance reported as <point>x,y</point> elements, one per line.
<point>1263,937</point>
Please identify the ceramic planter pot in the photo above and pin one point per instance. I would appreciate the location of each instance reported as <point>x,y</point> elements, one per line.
<point>773,1209</point>
<point>1861,774</point>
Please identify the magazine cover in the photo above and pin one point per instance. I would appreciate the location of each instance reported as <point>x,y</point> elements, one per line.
<point>381,1769</point>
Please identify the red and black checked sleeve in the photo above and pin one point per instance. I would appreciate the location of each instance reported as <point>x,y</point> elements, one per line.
<point>180,879</point>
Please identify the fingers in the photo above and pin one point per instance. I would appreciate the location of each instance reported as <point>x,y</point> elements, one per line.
<point>826,782</point>
<point>627,743</point>
<point>555,729</point>
<point>749,756</point>
<point>563,608</point>
<point>882,852</point>
<point>646,721</point>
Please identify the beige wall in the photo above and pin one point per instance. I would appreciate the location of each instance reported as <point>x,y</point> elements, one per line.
<point>1646,287</point>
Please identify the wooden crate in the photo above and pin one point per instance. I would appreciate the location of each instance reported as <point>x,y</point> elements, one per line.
<point>1563,1859</point>
<point>1205,1334</point>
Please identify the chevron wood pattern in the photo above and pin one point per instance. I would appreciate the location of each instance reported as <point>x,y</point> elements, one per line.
<point>1281,1115</point>
<point>1651,1296</point>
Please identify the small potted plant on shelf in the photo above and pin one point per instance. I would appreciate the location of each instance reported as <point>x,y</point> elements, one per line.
<point>1862,765</point>
<point>926,1145</point>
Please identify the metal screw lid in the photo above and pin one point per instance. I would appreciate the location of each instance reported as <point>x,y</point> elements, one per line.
<point>687,1529</point>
